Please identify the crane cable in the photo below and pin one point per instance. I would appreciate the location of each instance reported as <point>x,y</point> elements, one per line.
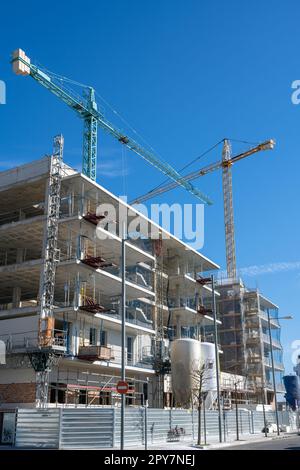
<point>62,78</point>
<point>199,157</point>
<point>124,170</point>
<point>138,134</point>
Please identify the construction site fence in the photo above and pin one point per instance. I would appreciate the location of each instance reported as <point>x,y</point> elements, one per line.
<point>96,428</point>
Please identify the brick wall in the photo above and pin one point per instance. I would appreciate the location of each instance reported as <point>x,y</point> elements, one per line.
<point>17,393</point>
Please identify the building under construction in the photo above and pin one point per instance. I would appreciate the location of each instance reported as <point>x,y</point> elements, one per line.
<point>60,292</point>
<point>245,338</point>
<point>60,299</point>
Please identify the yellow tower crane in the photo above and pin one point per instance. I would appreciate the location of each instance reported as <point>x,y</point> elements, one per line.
<point>225,164</point>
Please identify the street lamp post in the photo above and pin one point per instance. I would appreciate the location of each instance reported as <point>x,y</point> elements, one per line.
<point>264,410</point>
<point>146,403</point>
<point>236,413</point>
<point>123,334</point>
<point>216,353</point>
<point>273,368</point>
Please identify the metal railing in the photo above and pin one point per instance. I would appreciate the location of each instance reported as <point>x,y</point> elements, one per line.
<point>275,342</point>
<point>11,256</point>
<point>189,302</point>
<point>277,365</point>
<point>273,320</point>
<point>22,213</point>
<point>26,340</point>
<point>142,359</point>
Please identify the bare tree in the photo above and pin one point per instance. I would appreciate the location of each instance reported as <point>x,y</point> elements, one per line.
<point>201,377</point>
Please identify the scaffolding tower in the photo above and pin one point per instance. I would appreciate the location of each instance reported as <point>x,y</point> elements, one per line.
<point>159,349</point>
<point>43,358</point>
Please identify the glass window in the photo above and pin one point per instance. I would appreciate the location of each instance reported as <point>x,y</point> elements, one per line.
<point>93,336</point>
<point>129,349</point>
<point>103,338</point>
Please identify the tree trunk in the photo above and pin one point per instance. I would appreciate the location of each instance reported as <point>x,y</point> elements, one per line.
<point>199,422</point>
<point>199,425</point>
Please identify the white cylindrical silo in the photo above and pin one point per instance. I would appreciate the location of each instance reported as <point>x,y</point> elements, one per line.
<point>208,361</point>
<point>193,366</point>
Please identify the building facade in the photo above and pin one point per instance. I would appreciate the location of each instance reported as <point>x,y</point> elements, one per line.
<point>245,339</point>
<point>69,265</point>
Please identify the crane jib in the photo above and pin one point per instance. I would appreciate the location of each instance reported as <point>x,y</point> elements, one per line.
<point>88,111</point>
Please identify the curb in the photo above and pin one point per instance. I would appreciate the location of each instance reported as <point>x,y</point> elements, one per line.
<point>248,441</point>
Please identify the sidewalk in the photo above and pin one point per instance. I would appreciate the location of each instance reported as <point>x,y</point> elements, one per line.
<point>213,442</point>
<point>187,445</point>
<point>251,438</point>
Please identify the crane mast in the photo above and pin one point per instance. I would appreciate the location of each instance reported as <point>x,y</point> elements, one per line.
<point>90,131</point>
<point>228,210</point>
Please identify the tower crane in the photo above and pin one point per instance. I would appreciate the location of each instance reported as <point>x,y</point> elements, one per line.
<point>225,164</point>
<point>86,108</point>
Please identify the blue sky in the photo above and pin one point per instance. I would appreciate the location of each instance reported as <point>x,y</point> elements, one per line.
<point>185,74</point>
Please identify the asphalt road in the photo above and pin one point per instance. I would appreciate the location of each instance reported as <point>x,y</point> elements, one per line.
<point>286,443</point>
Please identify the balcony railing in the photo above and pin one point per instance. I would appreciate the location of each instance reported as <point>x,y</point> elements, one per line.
<point>279,386</point>
<point>143,358</point>
<point>273,320</point>
<point>275,342</point>
<point>277,365</point>
<point>112,354</point>
<point>10,256</point>
<point>22,213</point>
<point>189,302</point>
<point>140,278</point>
<point>30,340</point>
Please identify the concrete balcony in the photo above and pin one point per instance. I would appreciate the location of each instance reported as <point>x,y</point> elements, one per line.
<point>277,365</point>
<point>111,284</point>
<point>274,322</point>
<point>110,358</point>
<point>29,341</point>
<point>188,284</point>
<point>275,343</point>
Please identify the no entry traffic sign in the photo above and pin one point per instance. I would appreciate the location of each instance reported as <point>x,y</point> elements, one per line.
<point>122,386</point>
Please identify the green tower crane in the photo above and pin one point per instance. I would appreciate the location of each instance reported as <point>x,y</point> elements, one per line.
<point>86,107</point>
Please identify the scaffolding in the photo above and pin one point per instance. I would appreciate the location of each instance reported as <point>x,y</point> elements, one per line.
<point>243,338</point>
<point>46,356</point>
<point>159,349</point>
<point>83,388</point>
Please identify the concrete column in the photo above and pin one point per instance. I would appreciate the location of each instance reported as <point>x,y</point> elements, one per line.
<point>77,294</point>
<point>20,255</point>
<point>177,296</point>
<point>16,297</point>
<point>178,326</point>
<point>80,247</point>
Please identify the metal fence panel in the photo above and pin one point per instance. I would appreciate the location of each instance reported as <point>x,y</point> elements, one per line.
<point>134,426</point>
<point>86,428</point>
<point>258,419</point>
<point>37,428</point>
